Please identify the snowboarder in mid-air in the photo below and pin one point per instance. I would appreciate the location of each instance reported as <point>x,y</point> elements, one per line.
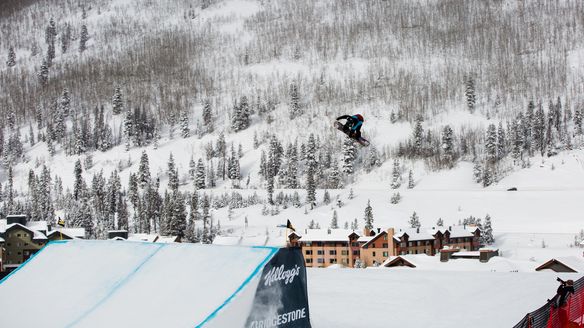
<point>352,127</point>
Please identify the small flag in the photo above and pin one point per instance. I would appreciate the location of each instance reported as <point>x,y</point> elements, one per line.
<point>61,222</point>
<point>289,226</point>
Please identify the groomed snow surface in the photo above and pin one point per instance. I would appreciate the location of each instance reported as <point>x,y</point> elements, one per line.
<point>133,284</point>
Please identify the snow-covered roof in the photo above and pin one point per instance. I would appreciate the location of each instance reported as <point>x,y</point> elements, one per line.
<point>38,225</point>
<point>143,237</point>
<point>459,232</point>
<point>392,259</point>
<point>366,239</point>
<point>73,233</point>
<point>3,224</point>
<point>415,234</point>
<point>467,254</point>
<point>37,235</point>
<point>1,240</point>
<point>326,235</point>
<point>571,262</point>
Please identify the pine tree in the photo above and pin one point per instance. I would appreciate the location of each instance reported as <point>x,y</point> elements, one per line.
<point>470,94</point>
<point>84,36</point>
<point>411,183</point>
<point>236,124</point>
<point>294,107</point>
<point>200,175</point>
<point>310,187</point>
<point>334,177</point>
<point>334,221</point>
<point>501,142</point>
<point>208,116</point>
<point>117,101</point>
<point>396,175</point>
<point>488,231</point>
<point>373,158</point>
<point>578,122</point>
<point>292,171</point>
<point>10,189</point>
<point>144,170</point>
<point>43,75</point>
<point>539,130</point>
<point>415,221</point>
<point>11,61</point>
<point>78,186</point>
<point>177,223</point>
<point>487,177</point>
<point>448,145</point>
<point>491,144</point>
<point>395,198</point>
<point>418,136</point>
<point>368,216</point>
<point>128,125</point>
<point>245,113</point>
<point>349,154</point>
<point>184,125</point>
<point>65,103</point>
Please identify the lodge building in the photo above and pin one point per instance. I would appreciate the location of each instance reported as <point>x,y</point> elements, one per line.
<point>324,247</point>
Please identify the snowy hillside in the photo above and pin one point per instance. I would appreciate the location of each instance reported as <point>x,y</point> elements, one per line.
<point>470,98</point>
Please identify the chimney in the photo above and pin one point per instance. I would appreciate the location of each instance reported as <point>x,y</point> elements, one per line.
<point>418,230</point>
<point>378,230</point>
<point>449,228</point>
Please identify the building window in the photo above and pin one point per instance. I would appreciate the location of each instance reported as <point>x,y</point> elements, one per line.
<point>308,261</point>
<point>385,237</point>
<point>320,252</point>
<point>308,252</point>
<point>373,253</point>
<point>345,253</point>
<point>333,252</point>
<point>320,260</point>
<point>332,261</point>
<point>385,254</point>
<point>384,245</point>
<point>356,253</point>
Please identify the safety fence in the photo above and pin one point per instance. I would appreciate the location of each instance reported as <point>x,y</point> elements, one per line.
<point>569,315</point>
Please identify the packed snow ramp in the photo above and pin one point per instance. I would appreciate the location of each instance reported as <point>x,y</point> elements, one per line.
<point>134,284</point>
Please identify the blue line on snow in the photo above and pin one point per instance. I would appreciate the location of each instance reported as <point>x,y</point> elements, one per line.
<point>273,251</point>
<point>115,287</point>
<point>32,257</point>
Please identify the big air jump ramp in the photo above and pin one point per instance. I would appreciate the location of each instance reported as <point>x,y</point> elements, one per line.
<point>134,284</point>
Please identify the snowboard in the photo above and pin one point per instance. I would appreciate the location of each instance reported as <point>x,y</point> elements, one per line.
<point>362,141</point>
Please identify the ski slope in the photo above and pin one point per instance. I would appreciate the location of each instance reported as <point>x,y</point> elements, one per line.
<point>133,284</point>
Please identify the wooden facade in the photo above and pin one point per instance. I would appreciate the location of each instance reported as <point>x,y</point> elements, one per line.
<point>20,244</point>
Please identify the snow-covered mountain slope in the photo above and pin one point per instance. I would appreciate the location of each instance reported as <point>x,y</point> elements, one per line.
<point>395,63</point>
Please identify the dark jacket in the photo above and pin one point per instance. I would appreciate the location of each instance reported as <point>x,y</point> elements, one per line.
<point>353,122</point>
